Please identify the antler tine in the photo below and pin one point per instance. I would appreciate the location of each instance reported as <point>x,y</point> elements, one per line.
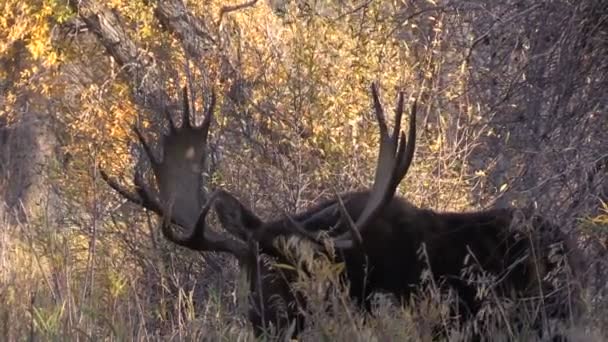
<point>147,149</point>
<point>148,199</point>
<point>379,110</point>
<point>208,116</point>
<point>399,161</point>
<point>186,108</point>
<point>408,156</point>
<point>169,117</point>
<point>134,198</point>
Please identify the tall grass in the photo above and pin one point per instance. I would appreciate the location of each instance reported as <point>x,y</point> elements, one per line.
<point>53,289</point>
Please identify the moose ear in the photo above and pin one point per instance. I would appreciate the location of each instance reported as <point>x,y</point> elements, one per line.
<point>234,216</point>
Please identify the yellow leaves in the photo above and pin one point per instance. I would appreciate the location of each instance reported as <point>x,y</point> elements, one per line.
<point>310,73</point>
<point>37,45</point>
<point>323,72</point>
<point>116,4</point>
<point>51,59</point>
<point>117,283</point>
<point>436,144</point>
<point>31,22</point>
<point>45,89</point>
<point>602,218</point>
<point>121,113</point>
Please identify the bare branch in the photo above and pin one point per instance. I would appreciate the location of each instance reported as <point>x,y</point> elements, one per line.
<point>352,226</point>
<point>228,9</point>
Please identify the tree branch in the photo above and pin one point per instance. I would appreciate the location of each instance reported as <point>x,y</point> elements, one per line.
<point>107,26</point>
<point>228,9</point>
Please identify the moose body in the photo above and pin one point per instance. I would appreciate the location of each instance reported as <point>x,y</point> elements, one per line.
<point>384,241</point>
<point>403,241</point>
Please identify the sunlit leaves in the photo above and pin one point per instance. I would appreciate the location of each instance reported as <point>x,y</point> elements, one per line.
<point>31,22</point>
<point>316,70</point>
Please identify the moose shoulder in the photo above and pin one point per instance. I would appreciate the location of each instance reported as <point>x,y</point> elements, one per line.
<point>384,241</point>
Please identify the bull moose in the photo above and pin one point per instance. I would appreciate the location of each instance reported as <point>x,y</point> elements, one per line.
<point>376,234</point>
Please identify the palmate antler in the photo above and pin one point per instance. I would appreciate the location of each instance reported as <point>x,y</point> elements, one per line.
<point>178,175</point>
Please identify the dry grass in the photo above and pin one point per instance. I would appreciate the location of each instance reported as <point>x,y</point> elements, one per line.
<point>53,288</point>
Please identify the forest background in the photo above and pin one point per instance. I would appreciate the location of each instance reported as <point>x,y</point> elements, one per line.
<point>513,111</point>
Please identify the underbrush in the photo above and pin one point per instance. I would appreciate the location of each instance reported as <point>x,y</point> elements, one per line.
<point>58,283</point>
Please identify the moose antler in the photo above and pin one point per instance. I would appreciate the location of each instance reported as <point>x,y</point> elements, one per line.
<point>394,159</point>
<point>178,178</point>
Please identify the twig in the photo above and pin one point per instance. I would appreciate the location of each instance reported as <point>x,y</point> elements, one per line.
<point>228,9</point>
